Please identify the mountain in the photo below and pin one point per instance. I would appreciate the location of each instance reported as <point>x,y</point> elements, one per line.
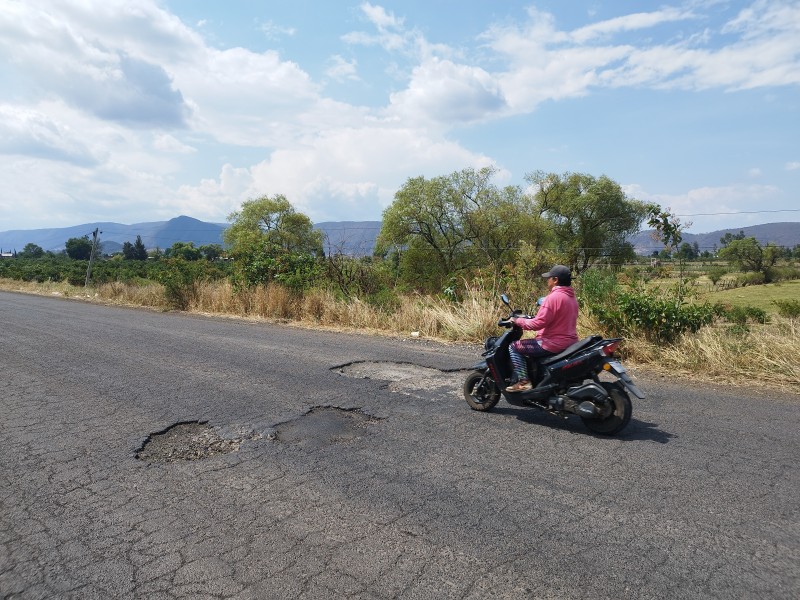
<point>159,234</point>
<point>356,238</point>
<point>780,234</point>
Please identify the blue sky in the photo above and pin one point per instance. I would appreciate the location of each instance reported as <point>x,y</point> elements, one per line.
<point>143,111</point>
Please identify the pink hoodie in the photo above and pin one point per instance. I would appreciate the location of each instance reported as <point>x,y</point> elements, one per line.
<point>556,320</point>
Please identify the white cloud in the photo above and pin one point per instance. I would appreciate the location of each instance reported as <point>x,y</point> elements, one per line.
<point>444,92</point>
<point>629,23</point>
<point>30,132</point>
<point>274,31</point>
<point>793,166</point>
<point>167,143</point>
<point>341,69</point>
<point>342,174</point>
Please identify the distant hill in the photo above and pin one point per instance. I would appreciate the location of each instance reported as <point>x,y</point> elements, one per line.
<point>159,234</point>
<point>781,234</point>
<point>356,238</point>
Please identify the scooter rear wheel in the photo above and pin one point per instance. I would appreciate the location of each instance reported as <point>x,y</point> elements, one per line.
<point>621,410</point>
<point>480,391</point>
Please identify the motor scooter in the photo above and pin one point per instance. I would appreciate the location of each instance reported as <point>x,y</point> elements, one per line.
<point>563,383</point>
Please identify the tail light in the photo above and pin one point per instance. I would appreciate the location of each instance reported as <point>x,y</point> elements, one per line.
<point>609,349</point>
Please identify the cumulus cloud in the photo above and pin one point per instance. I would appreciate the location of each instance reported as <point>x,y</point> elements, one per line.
<point>27,132</point>
<point>444,92</point>
<point>88,67</point>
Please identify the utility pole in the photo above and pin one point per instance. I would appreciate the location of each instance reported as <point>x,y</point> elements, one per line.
<point>91,256</point>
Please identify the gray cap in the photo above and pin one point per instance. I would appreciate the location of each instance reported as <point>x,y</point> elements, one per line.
<point>559,271</point>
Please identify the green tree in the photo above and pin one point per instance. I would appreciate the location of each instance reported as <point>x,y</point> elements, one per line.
<point>729,237</point>
<point>591,217</point>
<point>135,251</point>
<point>211,251</point>
<point>748,255</point>
<point>686,252</point>
<point>31,250</point>
<point>79,248</point>
<point>184,250</point>
<point>269,240</point>
<point>446,225</point>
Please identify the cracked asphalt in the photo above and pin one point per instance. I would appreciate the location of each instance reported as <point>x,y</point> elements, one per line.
<point>354,469</point>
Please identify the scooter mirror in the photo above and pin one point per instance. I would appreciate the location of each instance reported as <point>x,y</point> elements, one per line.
<point>504,298</point>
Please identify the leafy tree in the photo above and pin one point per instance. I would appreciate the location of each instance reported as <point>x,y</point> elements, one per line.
<point>748,255</point>
<point>729,237</point>
<point>591,217</point>
<point>211,251</point>
<point>184,250</point>
<point>135,251</point>
<point>448,224</point>
<point>686,252</point>
<point>31,250</point>
<point>269,240</point>
<point>79,248</point>
<point>667,228</point>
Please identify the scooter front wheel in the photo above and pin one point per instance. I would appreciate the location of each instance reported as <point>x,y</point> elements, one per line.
<point>480,391</point>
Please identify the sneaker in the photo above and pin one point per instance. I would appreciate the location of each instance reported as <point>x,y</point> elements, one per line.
<point>521,386</point>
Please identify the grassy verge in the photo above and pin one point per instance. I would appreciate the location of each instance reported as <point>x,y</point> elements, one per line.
<point>767,354</point>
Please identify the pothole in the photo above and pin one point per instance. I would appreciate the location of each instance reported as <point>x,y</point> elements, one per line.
<point>192,440</point>
<point>324,426</point>
<point>404,376</point>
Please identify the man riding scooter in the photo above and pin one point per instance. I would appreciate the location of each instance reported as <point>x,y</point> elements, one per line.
<point>555,324</point>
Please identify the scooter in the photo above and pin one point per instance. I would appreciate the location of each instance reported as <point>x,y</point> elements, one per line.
<point>564,383</point>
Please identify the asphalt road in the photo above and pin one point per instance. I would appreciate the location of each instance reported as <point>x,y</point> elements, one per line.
<point>350,467</point>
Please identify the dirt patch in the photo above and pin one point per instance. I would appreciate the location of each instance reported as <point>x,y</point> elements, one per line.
<point>194,440</point>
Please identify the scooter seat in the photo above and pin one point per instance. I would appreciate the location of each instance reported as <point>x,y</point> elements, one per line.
<point>579,345</point>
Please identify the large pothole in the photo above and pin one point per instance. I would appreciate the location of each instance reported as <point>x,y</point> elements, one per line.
<point>194,440</point>
<point>324,426</point>
<point>404,377</point>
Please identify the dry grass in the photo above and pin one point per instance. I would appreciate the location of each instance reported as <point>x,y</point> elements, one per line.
<point>768,354</point>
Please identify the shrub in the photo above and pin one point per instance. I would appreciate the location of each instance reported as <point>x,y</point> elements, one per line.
<point>716,273</point>
<point>751,278</point>
<point>789,309</point>
<point>660,316</point>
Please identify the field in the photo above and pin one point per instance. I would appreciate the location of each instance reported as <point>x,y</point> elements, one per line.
<point>759,296</point>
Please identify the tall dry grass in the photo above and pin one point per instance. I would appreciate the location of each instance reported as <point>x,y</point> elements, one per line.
<point>768,353</point>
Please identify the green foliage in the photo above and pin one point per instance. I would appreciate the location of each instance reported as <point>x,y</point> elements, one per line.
<point>31,250</point>
<point>716,273</point>
<point>750,256</point>
<point>183,250</point>
<point>661,316</point>
<point>181,280</point>
<point>668,228</point>
<point>135,251</point>
<point>740,315</point>
<point>211,251</point>
<point>788,308</point>
<point>269,241</point>
<point>447,226</point>
<point>357,277</point>
<point>591,218</point>
<point>79,248</point>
